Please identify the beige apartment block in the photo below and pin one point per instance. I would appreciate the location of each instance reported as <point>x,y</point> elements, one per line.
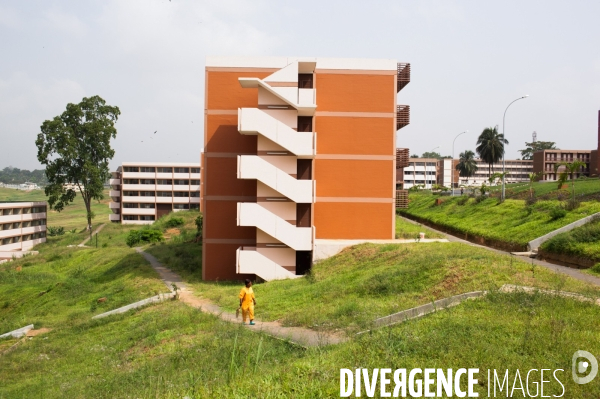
<point>22,226</point>
<point>142,192</point>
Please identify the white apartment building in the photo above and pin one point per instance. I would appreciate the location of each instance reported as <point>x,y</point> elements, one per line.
<point>22,225</point>
<point>421,171</point>
<point>142,192</point>
<point>518,172</point>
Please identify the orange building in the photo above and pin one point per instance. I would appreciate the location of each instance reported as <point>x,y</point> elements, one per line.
<point>300,156</point>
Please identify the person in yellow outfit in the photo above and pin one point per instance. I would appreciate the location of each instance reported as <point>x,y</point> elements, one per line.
<point>247,302</point>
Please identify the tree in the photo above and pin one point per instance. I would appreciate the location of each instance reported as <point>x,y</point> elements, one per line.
<point>533,177</point>
<point>435,155</point>
<point>527,153</point>
<point>466,165</point>
<point>570,168</point>
<point>75,147</point>
<point>414,156</point>
<point>490,146</point>
<point>431,154</point>
<point>496,176</point>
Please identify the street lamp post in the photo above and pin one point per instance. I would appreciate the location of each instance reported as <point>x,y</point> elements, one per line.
<point>452,162</point>
<point>426,168</point>
<point>503,152</point>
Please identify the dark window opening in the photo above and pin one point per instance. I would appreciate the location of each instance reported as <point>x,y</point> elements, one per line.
<point>304,167</point>
<point>303,262</point>
<point>305,124</point>
<point>305,81</point>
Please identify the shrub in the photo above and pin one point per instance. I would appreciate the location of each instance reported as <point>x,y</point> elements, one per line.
<point>174,222</point>
<point>557,212</point>
<point>572,204</point>
<point>55,231</point>
<point>462,201</point>
<point>480,198</point>
<point>531,200</point>
<point>199,224</point>
<point>145,235</point>
<point>596,268</point>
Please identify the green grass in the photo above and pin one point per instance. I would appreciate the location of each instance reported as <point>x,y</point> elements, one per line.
<point>369,281</point>
<point>582,242</point>
<point>407,230</point>
<point>511,223</point>
<point>583,187</point>
<point>170,350</point>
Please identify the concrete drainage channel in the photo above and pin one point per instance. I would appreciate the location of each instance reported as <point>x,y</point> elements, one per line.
<point>420,311</point>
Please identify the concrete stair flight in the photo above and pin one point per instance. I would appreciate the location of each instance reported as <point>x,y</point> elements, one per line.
<point>254,215</point>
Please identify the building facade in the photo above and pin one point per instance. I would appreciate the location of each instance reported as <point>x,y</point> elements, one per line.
<point>421,171</point>
<point>22,225</point>
<point>518,171</point>
<point>142,192</point>
<point>298,151</point>
<point>545,162</point>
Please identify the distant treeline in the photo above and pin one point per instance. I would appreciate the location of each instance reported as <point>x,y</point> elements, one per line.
<point>10,175</point>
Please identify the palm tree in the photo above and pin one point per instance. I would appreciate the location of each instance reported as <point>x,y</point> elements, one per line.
<point>570,168</point>
<point>490,146</point>
<point>466,165</point>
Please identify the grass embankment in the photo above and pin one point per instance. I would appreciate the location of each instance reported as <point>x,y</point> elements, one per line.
<point>169,350</point>
<point>369,281</point>
<point>582,244</point>
<point>586,187</point>
<point>408,230</point>
<point>172,351</point>
<point>508,225</point>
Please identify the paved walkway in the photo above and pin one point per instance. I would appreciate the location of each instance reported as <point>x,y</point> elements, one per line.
<point>298,335</point>
<point>557,268</point>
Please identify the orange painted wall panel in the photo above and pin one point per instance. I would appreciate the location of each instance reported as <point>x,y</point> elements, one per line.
<point>221,257</point>
<point>353,220</point>
<point>354,178</point>
<point>355,93</point>
<point>225,91</point>
<point>220,222</point>
<point>221,178</point>
<point>353,135</point>
<point>222,136</point>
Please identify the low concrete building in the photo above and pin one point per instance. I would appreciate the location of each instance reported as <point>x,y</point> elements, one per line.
<point>421,171</point>
<point>22,226</point>
<point>142,192</point>
<point>518,171</point>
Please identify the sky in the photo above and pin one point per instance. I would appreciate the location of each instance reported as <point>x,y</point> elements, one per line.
<point>469,60</point>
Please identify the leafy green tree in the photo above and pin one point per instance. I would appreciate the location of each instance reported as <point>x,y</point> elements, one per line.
<point>490,146</point>
<point>466,165</point>
<point>527,153</point>
<point>75,147</point>
<point>414,156</point>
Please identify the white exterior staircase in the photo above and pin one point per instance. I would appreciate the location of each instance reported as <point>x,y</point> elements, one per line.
<point>250,261</point>
<point>255,167</point>
<point>253,121</point>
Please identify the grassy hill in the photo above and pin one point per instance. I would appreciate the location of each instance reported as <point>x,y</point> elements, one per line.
<point>73,217</point>
<point>169,350</point>
<point>509,225</point>
<point>588,188</point>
